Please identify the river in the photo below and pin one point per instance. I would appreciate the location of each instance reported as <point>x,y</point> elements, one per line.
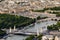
<point>32,29</point>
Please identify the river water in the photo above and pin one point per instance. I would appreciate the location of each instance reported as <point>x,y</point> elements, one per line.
<point>32,29</point>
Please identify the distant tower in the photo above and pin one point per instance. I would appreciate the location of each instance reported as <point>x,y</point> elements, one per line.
<point>14,28</point>
<point>37,32</point>
<point>10,30</point>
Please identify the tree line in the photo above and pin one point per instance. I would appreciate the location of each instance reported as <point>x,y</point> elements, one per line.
<point>7,21</point>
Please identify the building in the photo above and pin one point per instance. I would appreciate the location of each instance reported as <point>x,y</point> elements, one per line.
<point>48,37</point>
<point>57,37</point>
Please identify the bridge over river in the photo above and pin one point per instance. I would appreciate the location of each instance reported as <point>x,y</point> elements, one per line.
<point>19,32</point>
